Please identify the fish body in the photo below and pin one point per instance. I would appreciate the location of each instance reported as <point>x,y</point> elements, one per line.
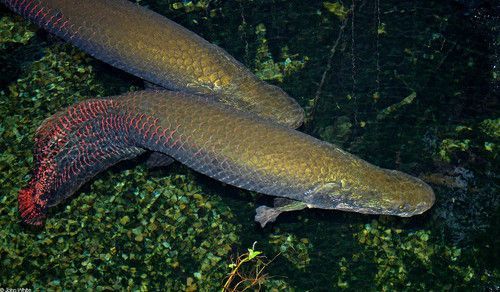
<point>230,146</point>
<point>150,46</point>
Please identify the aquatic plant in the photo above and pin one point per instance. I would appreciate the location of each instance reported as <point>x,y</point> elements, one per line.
<point>338,132</point>
<point>295,250</point>
<point>411,260</point>
<point>61,77</point>
<point>390,110</point>
<point>190,6</point>
<point>126,230</point>
<point>491,129</point>
<point>249,270</point>
<point>14,29</point>
<point>389,50</point>
<point>143,232</point>
<point>475,139</point>
<point>337,9</point>
<point>265,66</point>
<point>253,277</point>
<point>448,146</point>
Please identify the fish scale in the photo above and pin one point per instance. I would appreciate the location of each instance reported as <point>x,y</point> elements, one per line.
<point>255,149</point>
<point>233,147</point>
<point>152,47</point>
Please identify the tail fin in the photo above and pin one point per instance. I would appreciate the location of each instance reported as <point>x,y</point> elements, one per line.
<point>30,211</point>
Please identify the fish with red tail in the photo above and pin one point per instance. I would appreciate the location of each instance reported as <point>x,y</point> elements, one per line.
<point>233,147</point>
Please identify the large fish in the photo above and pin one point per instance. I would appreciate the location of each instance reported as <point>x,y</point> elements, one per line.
<point>152,47</point>
<point>237,148</point>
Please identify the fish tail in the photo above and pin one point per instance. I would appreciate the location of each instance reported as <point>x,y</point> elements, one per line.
<point>31,212</point>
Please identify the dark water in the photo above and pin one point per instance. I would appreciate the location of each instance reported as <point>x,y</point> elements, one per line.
<point>407,85</point>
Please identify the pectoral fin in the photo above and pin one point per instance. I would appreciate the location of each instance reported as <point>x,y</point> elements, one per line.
<point>266,214</point>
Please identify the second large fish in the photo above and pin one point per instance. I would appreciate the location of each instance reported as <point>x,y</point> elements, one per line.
<point>150,46</point>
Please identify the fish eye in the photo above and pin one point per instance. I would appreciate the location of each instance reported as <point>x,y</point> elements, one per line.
<point>404,206</point>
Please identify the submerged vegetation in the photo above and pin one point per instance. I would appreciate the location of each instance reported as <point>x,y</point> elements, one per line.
<point>14,30</point>
<point>402,259</point>
<point>143,232</point>
<point>480,139</point>
<point>405,86</point>
<point>265,66</point>
<point>296,251</point>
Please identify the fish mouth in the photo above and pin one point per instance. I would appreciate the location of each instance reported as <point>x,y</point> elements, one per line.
<point>417,210</point>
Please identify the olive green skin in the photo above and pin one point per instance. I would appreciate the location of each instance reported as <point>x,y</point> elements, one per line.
<point>258,155</point>
<point>152,47</point>
<point>254,149</point>
<point>233,147</point>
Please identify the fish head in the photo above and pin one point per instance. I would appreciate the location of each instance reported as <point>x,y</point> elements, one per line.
<point>385,192</point>
<point>283,108</point>
<point>271,103</point>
